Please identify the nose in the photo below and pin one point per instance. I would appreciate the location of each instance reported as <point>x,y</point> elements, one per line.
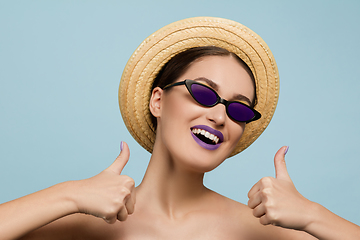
<point>217,114</point>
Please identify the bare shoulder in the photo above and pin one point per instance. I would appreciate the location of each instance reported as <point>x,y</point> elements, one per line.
<point>238,220</point>
<point>76,226</point>
<point>217,218</point>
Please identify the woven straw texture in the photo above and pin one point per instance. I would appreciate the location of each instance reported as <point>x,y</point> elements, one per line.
<point>161,46</point>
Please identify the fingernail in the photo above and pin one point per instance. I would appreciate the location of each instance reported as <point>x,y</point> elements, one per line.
<point>121,145</point>
<point>286,150</point>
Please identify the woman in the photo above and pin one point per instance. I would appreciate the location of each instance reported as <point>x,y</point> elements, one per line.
<point>187,83</point>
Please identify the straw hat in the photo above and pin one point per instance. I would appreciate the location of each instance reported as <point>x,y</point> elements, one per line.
<point>161,46</point>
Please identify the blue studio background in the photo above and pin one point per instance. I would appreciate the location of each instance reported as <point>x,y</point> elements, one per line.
<point>60,66</point>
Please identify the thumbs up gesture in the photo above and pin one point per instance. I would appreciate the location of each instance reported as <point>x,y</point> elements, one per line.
<point>108,195</point>
<point>276,201</point>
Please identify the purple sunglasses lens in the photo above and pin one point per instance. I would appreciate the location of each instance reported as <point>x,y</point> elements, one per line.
<point>203,95</point>
<point>240,112</point>
<point>208,97</point>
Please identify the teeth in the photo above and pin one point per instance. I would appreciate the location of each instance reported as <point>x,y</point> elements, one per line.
<point>212,137</point>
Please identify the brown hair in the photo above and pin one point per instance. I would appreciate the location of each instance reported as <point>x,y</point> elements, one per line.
<point>178,65</point>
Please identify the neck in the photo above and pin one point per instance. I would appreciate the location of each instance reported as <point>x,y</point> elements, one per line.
<point>170,189</point>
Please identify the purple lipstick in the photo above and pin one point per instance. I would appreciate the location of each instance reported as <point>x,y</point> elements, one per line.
<point>207,137</point>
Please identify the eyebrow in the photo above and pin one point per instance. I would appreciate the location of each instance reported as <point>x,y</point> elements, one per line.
<point>213,85</point>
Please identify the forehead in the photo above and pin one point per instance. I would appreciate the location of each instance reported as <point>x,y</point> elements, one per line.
<point>226,71</point>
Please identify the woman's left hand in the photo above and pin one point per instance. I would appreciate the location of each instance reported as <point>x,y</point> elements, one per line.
<point>276,201</point>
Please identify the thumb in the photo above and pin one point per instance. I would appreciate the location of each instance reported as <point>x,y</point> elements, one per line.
<point>118,165</point>
<point>280,165</point>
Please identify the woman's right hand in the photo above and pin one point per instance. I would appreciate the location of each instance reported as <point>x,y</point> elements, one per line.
<point>108,195</point>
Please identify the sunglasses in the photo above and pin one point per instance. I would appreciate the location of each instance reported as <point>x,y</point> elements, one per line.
<point>207,97</point>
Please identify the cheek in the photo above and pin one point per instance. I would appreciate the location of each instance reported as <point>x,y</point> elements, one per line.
<point>173,110</point>
<point>237,129</point>
<point>179,108</point>
<point>172,117</point>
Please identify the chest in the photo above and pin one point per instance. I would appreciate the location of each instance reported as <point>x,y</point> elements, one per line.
<point>206,227</point>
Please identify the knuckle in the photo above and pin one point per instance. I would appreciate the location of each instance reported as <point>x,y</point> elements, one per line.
<point>266,192</point>
<point>109,221</point>
<point>125,192</point>
<point>266,195</point>
<point>266,181</point>
<point>109,212</point>
<point>118,202</point>
<point>273,217</point>
<point>128,181</point>
<point>269,205</point>
<point>132,183</point>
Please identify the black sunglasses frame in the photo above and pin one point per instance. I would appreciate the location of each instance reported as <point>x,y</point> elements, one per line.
<point>188,84</point>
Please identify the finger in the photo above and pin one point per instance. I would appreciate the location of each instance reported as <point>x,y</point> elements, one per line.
<point>110,221</point>
<point>259,211</point>
<point>122,214</point>
<point>255,200</point>
<point>264,220</point>
<point>254,189</point>
<point>133,201</point>
<point>128,182</point>
<point>118,165</point>
<point>280,165</point>
<point>130,205</point>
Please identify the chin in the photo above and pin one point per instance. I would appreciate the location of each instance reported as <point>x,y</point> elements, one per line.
<point>196,158</point>
<point>203,163</point>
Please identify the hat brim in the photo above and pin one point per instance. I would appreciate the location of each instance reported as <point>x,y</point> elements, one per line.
<point>155,51</point>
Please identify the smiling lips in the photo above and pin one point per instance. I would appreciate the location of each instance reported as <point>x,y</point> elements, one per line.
<point>207,137</point>
<point>206,134</point>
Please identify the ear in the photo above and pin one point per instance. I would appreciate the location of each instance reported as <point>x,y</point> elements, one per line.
<point>155,101</point>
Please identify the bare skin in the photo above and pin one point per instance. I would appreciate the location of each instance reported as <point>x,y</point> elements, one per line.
<point>172,202</point>
<point>206,215</point>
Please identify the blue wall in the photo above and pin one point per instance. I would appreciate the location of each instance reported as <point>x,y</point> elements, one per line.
<point>60,68</point>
